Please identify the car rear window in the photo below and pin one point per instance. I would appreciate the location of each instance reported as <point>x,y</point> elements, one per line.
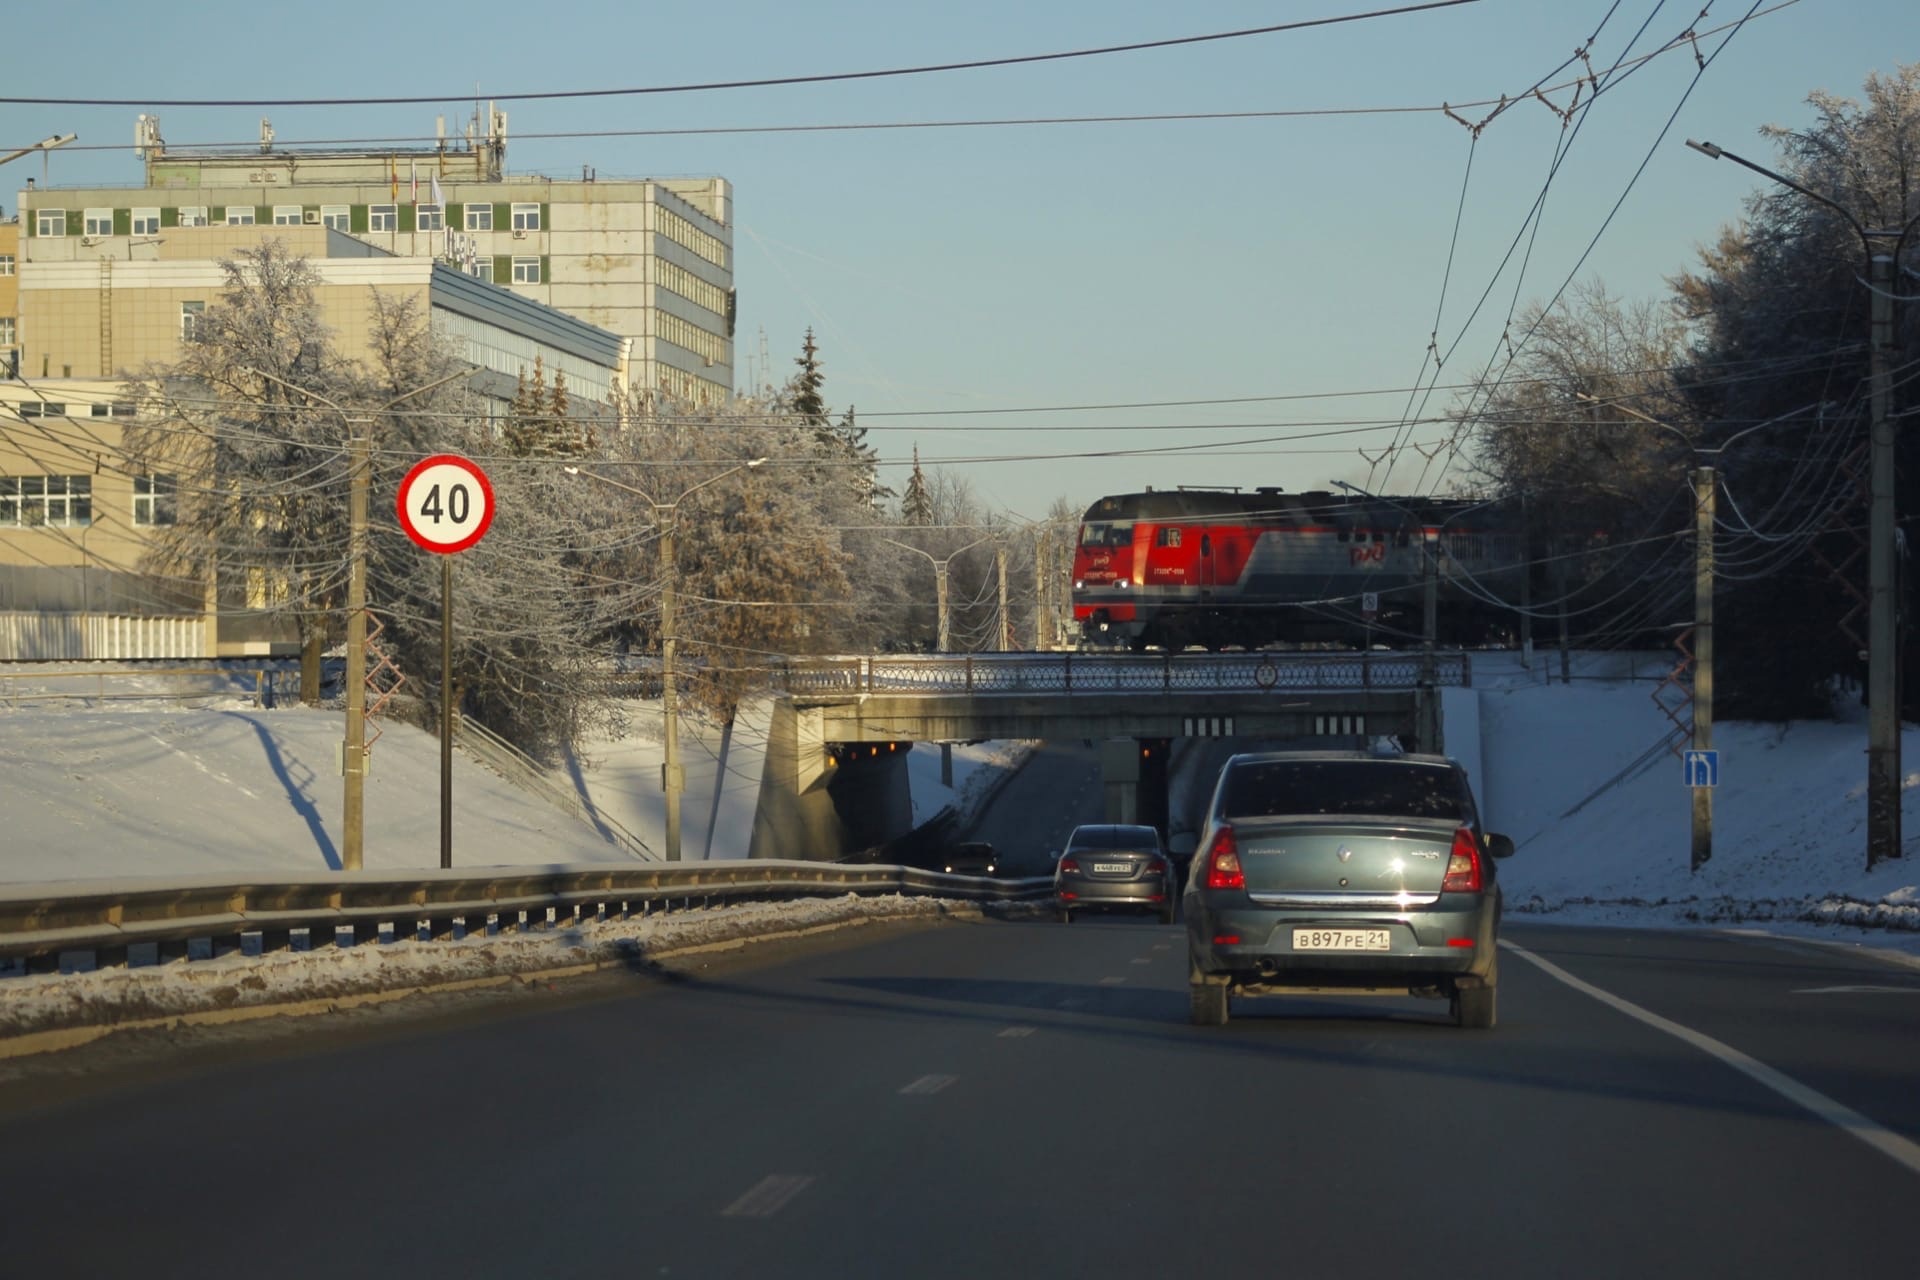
<point>1369,788</point>
<point>1110,837</point>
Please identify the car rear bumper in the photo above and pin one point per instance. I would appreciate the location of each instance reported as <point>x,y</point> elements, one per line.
<point>1140,894</point>
<point>1247,943</point>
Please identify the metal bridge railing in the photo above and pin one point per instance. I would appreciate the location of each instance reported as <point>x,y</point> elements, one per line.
<point>1069,673</point>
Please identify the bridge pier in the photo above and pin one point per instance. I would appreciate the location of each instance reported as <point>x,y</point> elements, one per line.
<point>813,808</point>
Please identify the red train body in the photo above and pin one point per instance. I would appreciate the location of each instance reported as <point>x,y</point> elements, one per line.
<point>1219,567</point>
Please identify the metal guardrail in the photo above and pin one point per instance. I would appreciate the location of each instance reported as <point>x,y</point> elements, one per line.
<point>81,924</point>
<point>1069,673</point>
<point>523,771</point>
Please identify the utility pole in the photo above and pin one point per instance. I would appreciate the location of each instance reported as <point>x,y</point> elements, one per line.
<point>1006,622</point>
<point>1703,493</point>
<point>673,778</point>
<point>1526,586</point>
<point>940,597</point>
<point>353,755</point>
<point>1883,625</point>
<point>1430,627</point>
<point>1042,603</point>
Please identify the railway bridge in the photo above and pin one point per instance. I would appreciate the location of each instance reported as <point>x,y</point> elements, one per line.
<point>844,718</point>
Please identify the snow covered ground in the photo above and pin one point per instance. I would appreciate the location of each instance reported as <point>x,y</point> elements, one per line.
<point>1572,771</point>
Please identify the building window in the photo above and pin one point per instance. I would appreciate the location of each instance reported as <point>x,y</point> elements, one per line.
<point>193,215</point>
<point>42,409</point>
<point>526,217</point>
<point>6,264</point>
<point>479,217</point>
<point>6,331</point>
<point>146,222</point>
<point>337,216</point>
<point>526,271</point>
<point>50,222</point>
<point>383,217</point>
<point>97,222</point>
<point>428,217</point>
<point>483,269</point>
<point>32,501</point>
<point>286,215</point>
<point>240,215</point>
<point>153,500</point>
<point>191,316</point>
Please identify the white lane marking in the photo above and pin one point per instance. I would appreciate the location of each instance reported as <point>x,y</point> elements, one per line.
<point>1111,982</point>
<point>1841,991</point>
<point>1163,946</point>
<point>768,1196</point>
<point>1016,1033</point>
<point>1845,1118</point>
<point>1145,960</point>
<point>929,1084</point>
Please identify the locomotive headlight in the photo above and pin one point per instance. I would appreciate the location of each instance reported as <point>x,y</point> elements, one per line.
<point>1079,584</point>
<point>1124,584</point>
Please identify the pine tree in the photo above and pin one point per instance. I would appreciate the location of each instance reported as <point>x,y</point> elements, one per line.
<point>917,506</point>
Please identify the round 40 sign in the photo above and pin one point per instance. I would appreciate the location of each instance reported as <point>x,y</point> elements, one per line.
<point>445,503</point>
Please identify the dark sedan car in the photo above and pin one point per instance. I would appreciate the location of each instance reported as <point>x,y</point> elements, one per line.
<point>1344,871</point>
<point>970,858</point>
<point>1114,866</point>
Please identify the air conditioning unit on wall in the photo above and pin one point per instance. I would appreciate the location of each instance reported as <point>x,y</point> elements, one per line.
<point>519,233</point>
<point>311,217</point>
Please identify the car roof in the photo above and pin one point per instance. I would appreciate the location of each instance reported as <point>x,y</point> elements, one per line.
<point>1397,757</point>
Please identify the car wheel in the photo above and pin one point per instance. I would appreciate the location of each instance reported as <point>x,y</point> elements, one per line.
<point>1207,1004</point>
<point>1477,1008</point>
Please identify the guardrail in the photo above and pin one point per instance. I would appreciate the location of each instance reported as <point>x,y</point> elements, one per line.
<point>81,925</point>
<point>1070,673</point>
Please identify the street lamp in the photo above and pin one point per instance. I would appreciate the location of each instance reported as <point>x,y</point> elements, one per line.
<point>44,145</point>
<point>1883,711</point>
<point>940,580</point>
<point>353,759</point>
<point>665,518</point>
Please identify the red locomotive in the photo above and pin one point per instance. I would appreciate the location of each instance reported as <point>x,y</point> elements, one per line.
<point>1218,567</point>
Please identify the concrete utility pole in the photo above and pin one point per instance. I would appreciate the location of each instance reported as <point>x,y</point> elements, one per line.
<point>1703,493</point>
<point>673,775</point>
<point>1006,621</point>
<point>1883,693</point>
<point>940,582</point>
<point>1042,599</point>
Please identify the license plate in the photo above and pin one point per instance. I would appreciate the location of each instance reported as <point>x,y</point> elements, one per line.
<point>1119,868</point>
<point>1341,940</point>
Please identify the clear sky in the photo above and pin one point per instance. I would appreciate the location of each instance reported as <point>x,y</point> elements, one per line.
<point>1029,269</point>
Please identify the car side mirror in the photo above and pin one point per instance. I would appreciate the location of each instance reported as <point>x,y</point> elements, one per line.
<point>1499,846</point>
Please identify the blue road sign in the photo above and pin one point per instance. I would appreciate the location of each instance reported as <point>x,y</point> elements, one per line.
<point>1703,768</point>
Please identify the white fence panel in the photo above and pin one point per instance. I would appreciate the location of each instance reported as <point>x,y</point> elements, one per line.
<point>75,637</point>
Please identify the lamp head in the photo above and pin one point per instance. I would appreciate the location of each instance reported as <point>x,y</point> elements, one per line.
<point>1706,149</point>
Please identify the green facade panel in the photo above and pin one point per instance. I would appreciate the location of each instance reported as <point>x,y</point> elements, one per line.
<point>123,222</point>
<point>503,268</point>
<point>357,219</point>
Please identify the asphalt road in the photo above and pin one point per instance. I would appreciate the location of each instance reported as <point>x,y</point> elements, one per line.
<point>1023,1098</point>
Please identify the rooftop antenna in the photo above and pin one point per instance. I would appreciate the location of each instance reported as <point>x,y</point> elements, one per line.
<point>766,370</point>
<point>440,134</point>
<point>266,135</point>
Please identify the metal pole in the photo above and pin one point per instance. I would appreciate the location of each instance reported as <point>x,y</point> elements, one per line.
<point>1526,587</point>
<point>1006,623</point>
<point>353,755</point>
<point>1704,492</point>
<point>1042,606</point>
<point>669,706</point>
<point>446,711</point>
<point>1883,711</point>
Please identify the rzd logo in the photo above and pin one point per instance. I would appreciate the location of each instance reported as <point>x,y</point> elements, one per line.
<point>1374,553</point>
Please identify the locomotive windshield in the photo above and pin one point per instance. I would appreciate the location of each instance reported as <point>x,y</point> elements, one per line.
<point>1106,535</point>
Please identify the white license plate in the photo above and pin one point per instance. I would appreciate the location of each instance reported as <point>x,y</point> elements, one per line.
<point>1117,868</point>
<point>1341,940</point>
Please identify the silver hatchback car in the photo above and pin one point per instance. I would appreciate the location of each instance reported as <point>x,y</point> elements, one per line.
<point>1114,866</point>
<point>1344,871</point>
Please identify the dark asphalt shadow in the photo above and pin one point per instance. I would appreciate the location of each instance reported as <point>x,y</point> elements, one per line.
<point>297,796</point>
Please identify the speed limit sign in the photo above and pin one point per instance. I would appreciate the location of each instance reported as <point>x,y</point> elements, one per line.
<point>445,503</point>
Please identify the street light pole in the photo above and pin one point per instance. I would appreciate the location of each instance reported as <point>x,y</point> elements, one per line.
<point>1883,710</point>
<point>673,779</point>
<point>940,581</point>
<point>44,145</point>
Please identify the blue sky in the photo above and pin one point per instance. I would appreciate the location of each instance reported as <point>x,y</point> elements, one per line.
<point>1029,268</point>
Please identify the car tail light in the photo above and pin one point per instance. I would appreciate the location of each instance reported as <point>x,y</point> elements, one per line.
<point>1463,865</point>
<point>1069,866</point>
<point>1154,867</point>
<point>1223,862</point>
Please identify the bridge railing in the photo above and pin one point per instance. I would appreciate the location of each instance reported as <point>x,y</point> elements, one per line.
<point>1092,673</point>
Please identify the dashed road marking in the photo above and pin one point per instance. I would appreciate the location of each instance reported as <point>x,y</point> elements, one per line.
<point>768,1196</point>
<point>1848,991</point>
<point>1144,960</point>
<point>1016,1033</point>
<point>1111,982</point>
<point>929,1084</point>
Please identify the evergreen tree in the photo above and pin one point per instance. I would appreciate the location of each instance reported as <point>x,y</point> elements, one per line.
<point>917,506</point>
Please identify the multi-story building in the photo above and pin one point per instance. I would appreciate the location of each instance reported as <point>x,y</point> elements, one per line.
<point>74,518</point>
<point>9,292</point>
<point>648,259</point>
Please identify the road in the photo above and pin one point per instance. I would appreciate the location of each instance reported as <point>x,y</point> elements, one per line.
<point>1023,1098</point>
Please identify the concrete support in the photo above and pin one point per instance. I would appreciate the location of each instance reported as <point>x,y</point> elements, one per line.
<point>795,817</point>
<point>1120,779</point>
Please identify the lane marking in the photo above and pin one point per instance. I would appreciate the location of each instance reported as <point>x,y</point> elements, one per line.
<point>1016,1033</point>
<point>929,1084</point>
<point>768,1196</point>
<point>1111,982</point>
<point>1901,1150</point>
<point>1144,960</point>
<point>1842,991</point>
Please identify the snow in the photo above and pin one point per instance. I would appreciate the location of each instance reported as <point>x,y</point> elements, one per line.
<point>1576,773</point>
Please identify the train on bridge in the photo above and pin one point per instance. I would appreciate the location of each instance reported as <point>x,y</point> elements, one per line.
<point>1218,567</point>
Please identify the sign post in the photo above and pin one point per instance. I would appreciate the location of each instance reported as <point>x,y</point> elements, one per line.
<point>445,505</point>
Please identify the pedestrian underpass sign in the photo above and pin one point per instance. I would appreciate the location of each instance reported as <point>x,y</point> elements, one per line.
<point>1703,768</point>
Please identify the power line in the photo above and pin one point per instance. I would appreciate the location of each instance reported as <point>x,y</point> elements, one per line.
<point>770,82</point>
